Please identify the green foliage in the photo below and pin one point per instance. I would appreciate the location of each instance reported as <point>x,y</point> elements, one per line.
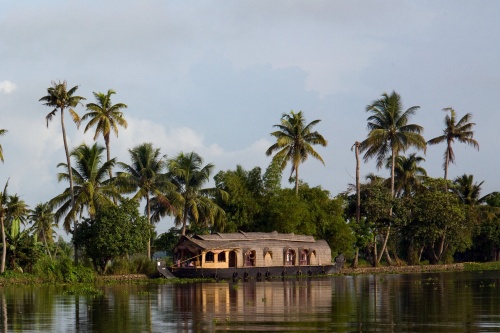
<point>439,223</point>
<point>242,206</point>
<point>115,232</point>
<point>62,270</point>
<point>167,240</point>
<point>138,264</point>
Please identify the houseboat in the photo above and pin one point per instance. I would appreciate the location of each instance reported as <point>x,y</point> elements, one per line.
<point>250,255</point>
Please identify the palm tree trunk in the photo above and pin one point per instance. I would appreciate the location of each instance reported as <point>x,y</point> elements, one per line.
<point>383,250</point>
<point>446,164</point>
<point>358,199</point>
<point>297,179</point>
<point>184,220</point>
<point>148,208</point>
<point>108,156</point>
<point>70,172</point>
<point>4,245</point>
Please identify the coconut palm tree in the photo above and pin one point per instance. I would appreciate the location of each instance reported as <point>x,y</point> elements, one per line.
<point>92,189</point>
<point>358,197</point>
<point>294,140</point>
<point>60,98</point>
<point>389,135</point>
<point>189,175</point>
<point>390,132</point>
<point>43,220</point>
<point>408,175</point>
<point>10,207</point>
<point>145,176</point>
<point>2,132</point>
<point>460,131</point>
<point>105,116</point>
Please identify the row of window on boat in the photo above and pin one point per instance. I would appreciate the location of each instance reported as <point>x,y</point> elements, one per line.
<point>250,258</point>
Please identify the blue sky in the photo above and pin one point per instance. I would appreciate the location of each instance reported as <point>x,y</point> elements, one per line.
<point>214,76</point>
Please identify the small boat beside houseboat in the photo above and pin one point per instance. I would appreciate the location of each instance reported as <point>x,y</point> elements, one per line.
<point>250,255</point>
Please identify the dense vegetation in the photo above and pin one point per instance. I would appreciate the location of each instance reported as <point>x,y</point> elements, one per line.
<point>409,218</point>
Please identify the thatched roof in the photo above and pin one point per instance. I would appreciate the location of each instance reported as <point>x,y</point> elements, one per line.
<point>256,240</point>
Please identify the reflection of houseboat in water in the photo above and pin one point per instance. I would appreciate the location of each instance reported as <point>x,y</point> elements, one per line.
<point>250,255</point>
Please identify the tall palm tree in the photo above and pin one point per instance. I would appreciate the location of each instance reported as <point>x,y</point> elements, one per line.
<point>92,188</point>
<point>356,146</point>
<point>390,134</point>
<point>408,175</point>
<point>43,220</point>
<point>2,132</point>
<point>460,131</point>
<point>145,176</point>
<point>105,116</point>
<point>294,140</point>
<point>189,175</point>
<point>60,98</point>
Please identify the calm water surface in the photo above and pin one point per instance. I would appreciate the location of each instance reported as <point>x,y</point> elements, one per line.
<point>432,302</point>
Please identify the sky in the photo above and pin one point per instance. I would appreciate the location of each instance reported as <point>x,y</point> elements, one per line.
<point>215,76</point>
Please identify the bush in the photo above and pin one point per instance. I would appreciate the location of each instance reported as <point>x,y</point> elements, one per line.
<point>62,270</point>
<point>138,264</point>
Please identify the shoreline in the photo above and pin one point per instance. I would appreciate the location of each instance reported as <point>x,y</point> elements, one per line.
<point>402,269</point>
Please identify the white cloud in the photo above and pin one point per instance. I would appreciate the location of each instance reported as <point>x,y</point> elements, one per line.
<point>7,87</point>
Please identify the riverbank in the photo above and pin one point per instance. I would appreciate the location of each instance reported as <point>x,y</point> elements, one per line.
<point>403,269</point>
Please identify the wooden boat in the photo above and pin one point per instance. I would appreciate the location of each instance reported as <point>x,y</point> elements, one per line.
<point>250,255</point>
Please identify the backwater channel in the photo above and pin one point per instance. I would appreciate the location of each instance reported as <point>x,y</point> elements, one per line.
<point>426,302</point>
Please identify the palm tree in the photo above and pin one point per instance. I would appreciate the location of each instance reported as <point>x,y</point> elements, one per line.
<point>92,189</point>
<point>10,207</point>
<point>461,131</point>
<point>145,177</point>
<point>294,141</point>
<point>358,197</point>
<point>468,191</point>
<point>189,175</point>
<point>390,134</point>
<point>408,175</point>
<point>43,220</point>
<point>2,132</point>
<point>105,117</point>
<point>60,98</point>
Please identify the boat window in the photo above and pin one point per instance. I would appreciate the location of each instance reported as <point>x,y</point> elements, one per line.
<point>209,257</point>
<point>304,257</point>
<point>290,257</point>
<point>221,257</point>
<point>250,258</point>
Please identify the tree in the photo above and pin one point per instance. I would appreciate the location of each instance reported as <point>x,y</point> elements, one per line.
<point>114,231</point>
<point>245,189</point>
<point>92,190</point>
<point>60,98</point>
<point>294,140</point>
<point>189,175</point>
<point>439,222</point>
<point>2,132</point>
<point>145,177</point>
<point>43,220</point>
<point>105,116</point>
<point>460,131</point>
<point>356,146</point>
<point>390,134</point>
<point>10,207</point>
<point>408,175</point>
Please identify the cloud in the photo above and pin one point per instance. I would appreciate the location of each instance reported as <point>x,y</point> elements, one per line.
<point>7,87</point>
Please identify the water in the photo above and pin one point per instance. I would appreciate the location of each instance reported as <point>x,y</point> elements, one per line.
<point>432,302</point>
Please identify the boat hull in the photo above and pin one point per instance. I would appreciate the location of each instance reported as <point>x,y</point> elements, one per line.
<point>249,272</point>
